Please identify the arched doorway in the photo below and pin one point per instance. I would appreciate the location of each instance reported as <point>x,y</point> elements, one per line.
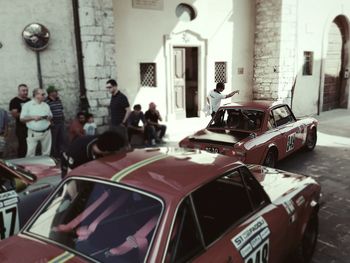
<point>336,73</point>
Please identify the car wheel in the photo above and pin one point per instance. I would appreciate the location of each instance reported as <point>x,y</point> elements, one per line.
<point>311,140</point>
<point>271,158</point>
<point>307,245</point>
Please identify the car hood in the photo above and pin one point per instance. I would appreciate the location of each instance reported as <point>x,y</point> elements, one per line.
<point>41,170</point>
<point>221,136</point>
<point>23,249</point>
<point>278,184</point>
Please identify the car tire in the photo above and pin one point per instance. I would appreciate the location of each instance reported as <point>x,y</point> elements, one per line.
<point>308,243</point>
<point>271,158</point>
<point>311,140</point>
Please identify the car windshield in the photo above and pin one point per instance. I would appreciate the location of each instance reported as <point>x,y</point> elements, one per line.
<point>237,119</point>
<point>99,220</point>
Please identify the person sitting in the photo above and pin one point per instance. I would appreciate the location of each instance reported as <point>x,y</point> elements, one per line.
<point>90,125</point>
<point>76,128</point>
<point>152,117</point>
<point>134,120</point>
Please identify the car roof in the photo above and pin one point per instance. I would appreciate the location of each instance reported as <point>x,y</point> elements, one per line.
<point>254,104</point>
<point>166,171</point>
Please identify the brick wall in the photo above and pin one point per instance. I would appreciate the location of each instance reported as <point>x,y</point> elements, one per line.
<point>98,46</point>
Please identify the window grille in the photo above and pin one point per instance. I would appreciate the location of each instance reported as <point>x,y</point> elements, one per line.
<point>148,74</point>
<point>220,72</point>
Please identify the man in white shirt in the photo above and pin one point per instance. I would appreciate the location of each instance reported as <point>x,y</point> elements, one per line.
<point>214,98</point>
<point>36,114</point>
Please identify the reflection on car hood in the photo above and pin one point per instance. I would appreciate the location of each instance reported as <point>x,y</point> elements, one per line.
<point>12,249</point>
<point>278,184</point>
<point>219,136</point>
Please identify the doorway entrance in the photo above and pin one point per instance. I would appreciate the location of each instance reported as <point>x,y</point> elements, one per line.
<point>186,81</point>
<point>336,73</point>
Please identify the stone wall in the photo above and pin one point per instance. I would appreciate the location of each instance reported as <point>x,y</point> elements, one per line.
<point>98,47</point>
<point>275,45</point>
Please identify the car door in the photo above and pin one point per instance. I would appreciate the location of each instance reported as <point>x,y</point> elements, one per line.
<point>228,225</point>
<point>286,124</point>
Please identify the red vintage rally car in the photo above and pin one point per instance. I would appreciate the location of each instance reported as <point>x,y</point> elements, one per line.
<point>172,205</point>
<point>24,185</point>
<point>259,132</point>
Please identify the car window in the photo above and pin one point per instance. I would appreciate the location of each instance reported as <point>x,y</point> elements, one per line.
<point>271,122</point>
<point>102,221</point>
<point>237,119</point>
<point>282,115</point>
<point>185,241</point>
<point>7,180</point>
<point>220,204</point>
<point>256,193</point>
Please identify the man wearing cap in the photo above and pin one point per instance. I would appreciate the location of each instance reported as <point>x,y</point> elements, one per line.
<point>36,114</point>
<point>57,123</point>
<point>88,148</point>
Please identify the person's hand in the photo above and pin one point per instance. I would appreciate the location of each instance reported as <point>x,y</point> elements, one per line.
<point>236,91</point>
<point>37,118</point>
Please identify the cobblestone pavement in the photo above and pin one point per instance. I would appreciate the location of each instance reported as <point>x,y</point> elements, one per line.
<point>329,164</point>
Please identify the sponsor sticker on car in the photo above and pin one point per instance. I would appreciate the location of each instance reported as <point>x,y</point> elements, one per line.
<point>9,223</point>
<point>253,242</point>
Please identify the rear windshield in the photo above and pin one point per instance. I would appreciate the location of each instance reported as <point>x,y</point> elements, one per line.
<point>102,221</point>
<point>237,119</point>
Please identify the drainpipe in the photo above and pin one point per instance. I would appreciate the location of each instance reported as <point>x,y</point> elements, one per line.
<point>84,103</point>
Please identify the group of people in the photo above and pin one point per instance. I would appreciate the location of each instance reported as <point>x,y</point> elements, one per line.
<point>41,119</point>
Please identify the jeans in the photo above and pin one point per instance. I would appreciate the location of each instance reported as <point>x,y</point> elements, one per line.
<point>152,132</point>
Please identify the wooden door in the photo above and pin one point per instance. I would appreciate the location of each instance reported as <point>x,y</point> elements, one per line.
<point>180,82</point>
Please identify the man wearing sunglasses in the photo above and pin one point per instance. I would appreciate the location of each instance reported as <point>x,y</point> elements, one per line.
<point>36,114</point>
<point>119,110</point>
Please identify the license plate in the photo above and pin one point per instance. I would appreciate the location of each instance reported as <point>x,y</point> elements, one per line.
<point>212,149</point>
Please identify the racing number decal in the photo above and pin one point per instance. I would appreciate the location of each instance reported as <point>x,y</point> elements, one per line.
<point>9,223</point>
<point>290,142</point>
<point>253,242</point>
<point>260,255</point>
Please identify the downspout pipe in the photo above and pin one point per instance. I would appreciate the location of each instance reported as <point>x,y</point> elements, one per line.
<point>84,103</point>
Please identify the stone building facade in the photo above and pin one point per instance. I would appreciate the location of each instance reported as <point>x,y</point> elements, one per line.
<point>268,49</point>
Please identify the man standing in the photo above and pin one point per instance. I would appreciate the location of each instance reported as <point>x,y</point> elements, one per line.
<point>119,108</point>
<point>36,114</point>
<point>57,124</point>
<point>152,117</point>
<point>15,109</point>
<point>3,130</point>
<point>214,98</point>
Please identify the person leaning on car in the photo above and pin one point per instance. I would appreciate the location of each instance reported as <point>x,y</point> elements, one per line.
<point>36,114</point>
<point>214,98</point>
<point>87,148</point>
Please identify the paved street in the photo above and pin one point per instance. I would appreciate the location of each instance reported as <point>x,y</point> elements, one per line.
<point>329,163</point>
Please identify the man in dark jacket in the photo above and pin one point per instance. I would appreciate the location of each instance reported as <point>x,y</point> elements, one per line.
<point>88,148</point>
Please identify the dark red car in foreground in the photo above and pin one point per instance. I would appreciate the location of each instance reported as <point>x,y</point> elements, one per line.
<point>172,205</point>
<point>259,132</point>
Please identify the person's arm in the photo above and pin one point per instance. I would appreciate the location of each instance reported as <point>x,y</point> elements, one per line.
<point>231,94</point>
<point>126,116</point>
<point>26,117</point>
<point>158,115</point>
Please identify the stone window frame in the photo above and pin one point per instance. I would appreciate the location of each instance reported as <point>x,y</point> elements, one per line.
<point>221,71</point>
<point>148,74</point>
<point>308,63</point>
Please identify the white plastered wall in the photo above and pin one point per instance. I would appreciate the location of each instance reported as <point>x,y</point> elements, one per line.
<point>224,31</point>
